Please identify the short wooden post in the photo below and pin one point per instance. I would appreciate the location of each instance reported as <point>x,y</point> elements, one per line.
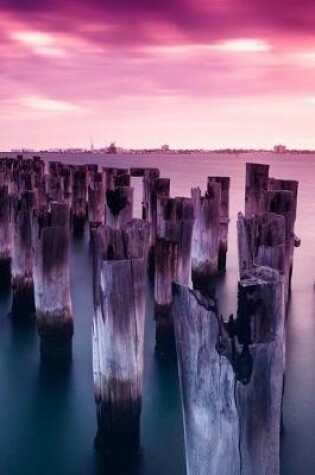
<point>119,203</point>
<point>261,242</point>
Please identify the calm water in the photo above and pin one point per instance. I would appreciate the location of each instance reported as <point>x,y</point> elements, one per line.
<point>47,418</point>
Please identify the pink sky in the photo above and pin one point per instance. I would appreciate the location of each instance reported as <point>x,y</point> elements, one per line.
<point>191,73</point>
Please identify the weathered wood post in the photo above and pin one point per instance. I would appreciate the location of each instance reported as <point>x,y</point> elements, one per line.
<point>118,335</point>
<point>5,236</point>
<point>96,201</point>
<point>207,383</point>
<point>231,377</point>
<point>175,221</point>
<point>224,218</point>
<point>119,203</point>
<point>257,181</point>
<point>283,202</point>
<point>149,175</point>
<point>206,237</point>
<point>79,199</point>
<point>260,330</point>
<point>160,187</point>
<point>51,275</point>
<point>261,242</point>
<point>112,177</point>
<point>23,305</point>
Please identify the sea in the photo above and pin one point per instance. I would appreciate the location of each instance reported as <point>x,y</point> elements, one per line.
<point>47,415</point>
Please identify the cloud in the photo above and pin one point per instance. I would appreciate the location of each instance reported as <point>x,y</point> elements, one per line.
<point>48,105</point>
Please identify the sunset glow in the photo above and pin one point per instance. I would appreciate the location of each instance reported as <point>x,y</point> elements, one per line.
<point>191,74</point>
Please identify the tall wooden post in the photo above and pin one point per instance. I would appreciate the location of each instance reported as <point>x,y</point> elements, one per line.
<point>207,382</point>
<point>51,275</point>
<point>79,199</point>
<point>96,201</point>
<point>257,181</point>
<point>224,218</point>
<point>118,335</point>
<point>260,329</point>
<point>206,236</point>
<point>23,306</point>
<point>5,236</point>
<point>175,221</point>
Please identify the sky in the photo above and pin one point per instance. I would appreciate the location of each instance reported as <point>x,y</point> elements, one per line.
<point>142,73</point>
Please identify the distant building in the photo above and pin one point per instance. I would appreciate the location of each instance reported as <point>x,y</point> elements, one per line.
<point>279,148</point>
<point>112,148</point>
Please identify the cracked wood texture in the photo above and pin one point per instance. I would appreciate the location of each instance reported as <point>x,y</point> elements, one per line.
<point>261,242</point>
<point>207,383</point>
<point>260,324</point>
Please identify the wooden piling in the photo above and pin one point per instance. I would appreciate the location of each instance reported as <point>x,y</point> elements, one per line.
<point>224,218</point>
<point>23,305</point>
<point>261,242</point>
<point>206,237</point>
<point>231,377</point>
<point>207,383</point>
<point>257,181</point>
<point>260,330</point>
<point>174,228</point>
<point>96,201</point>
<point>79,199</point>
<point>118,335</point>
<point>5,236</point>
<point>51,275</point>
<point>119,203</point>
